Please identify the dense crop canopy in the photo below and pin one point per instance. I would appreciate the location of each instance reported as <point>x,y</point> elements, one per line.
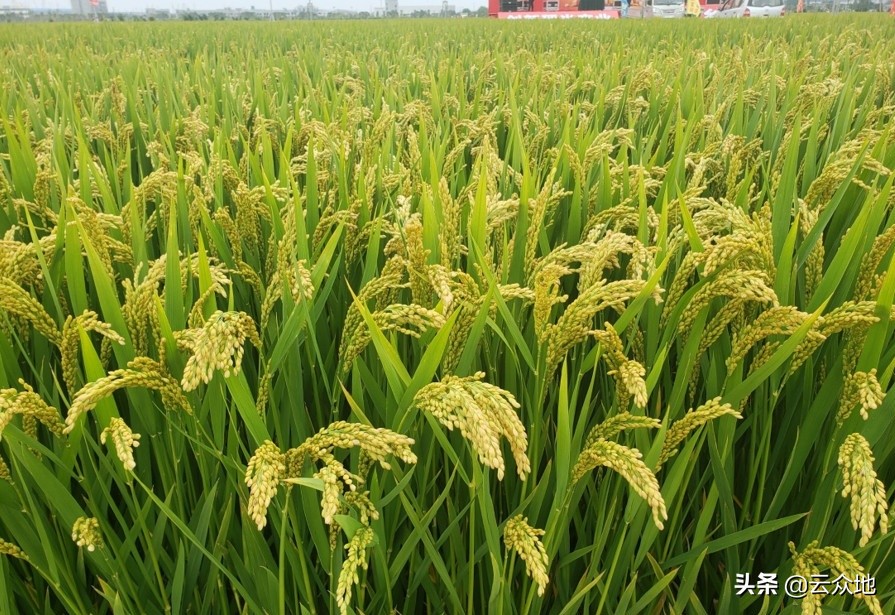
<point>445,316</point>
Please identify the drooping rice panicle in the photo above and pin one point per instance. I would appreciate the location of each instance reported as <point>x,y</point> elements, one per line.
<point>141,372</point>
<point>525,540</point>
<point>7,548</point>
<point>218,345</point>
<point>263,474</point>
<point>355,560</point>
<point>627,462</point>
<point>483,413</point>
<point>694,419</point>
<point>813,559</point>
<point>123,440</point>
<point>868,494</point>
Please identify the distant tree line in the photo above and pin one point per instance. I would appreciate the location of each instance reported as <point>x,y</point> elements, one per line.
<point>227,16</point>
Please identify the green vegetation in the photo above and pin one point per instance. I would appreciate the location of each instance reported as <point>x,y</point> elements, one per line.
<point>445,317</point>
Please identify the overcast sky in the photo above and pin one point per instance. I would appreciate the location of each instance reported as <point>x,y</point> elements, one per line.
<point>142,5</point>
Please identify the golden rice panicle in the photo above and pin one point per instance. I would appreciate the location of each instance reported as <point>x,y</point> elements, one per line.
<point>814,264</point>
<point>152,374</point>
<point>802,353</point>
<point>442,284</point>
<point>340,485</point>
<point>19,263</point>
<point>302,285</point>
<point>217,346</point>
<point>337,481</point>
<point>849,315</point>
<point>680,283</point>
<point>730,316</point>
<point>28,404</point>
<point>613,349</point>
<point>540,209</point>
<point>220,274</point>
<point>417,259</point>
<point>4,471</point>
<point>743,285</point>
<point>85,533</point>
<point>525,540</point>
<point>97,228</point>
<point>264,386</point>
<point>295,274</point>
<point>854,318</point>
<point>470,300</point>
<point>139,309</point>
<point>502,407</point>
<point>376,443</point>
<point>16,301</point>
<point>627,373</point>
<point>868,494</point>
<point>805,568</point>
<point>500,212</point>
<point>123,439</point>
<point>361,501</point>
<point>870,263</point>
<point>141,372</point>
<point>8,548</point>
<point>263,473</point>
<point>742,248</point>
<point>860,389</point>
<point>29,425</point>
<point>249,209</point>
<point>508,292</point>
<point>330,502</point>
<point>630,377</point>
<point>627,462</point>
<point>226,223</point>
<point>594,256</point>
<point>694,419</point>
<point>355,560</point>
<point>197,317</point>
<point>412,320</point>
<point>777,320</point>
<point>814,559</point>
<point>601,251</point>
<point>577,321</point>
<point>483,413</point>
<point>614,425</point>
<point>449,230</point>
<point>546,284</point>
<point>5,189</point>
<point>87,321</point>
<point>390,279</point>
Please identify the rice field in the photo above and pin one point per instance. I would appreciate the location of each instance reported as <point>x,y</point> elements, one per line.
<point>446,316</point>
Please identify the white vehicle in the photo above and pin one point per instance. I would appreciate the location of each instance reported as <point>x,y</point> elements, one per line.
<point>665,8</point>
<point>751,8</point>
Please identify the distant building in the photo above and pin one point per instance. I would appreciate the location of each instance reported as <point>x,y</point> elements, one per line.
<point>158,13</point>
<point>16,12</point>
<point>429,9</point>
<point>276,14</point>
<point>85,8</point>
<point>392,8</point>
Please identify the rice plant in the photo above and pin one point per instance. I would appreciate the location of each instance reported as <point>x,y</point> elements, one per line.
<point>446,317</point>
